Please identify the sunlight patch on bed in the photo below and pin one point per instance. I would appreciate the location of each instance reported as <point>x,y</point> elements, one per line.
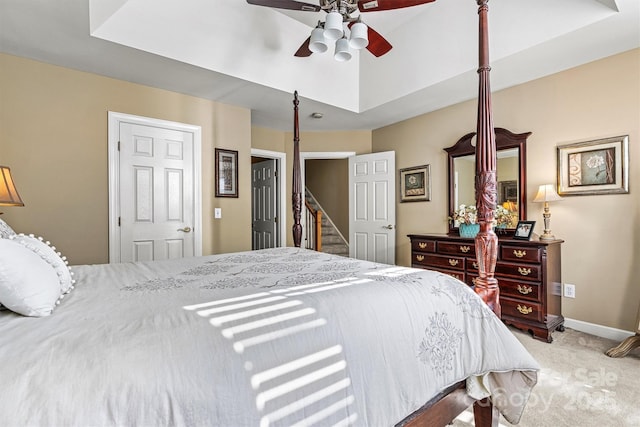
<point>297,383</point>
<point>240,346</point>
<point>306,401</point>
<point>219,321</point>
<point>311,389</point>
<point>245,327</point>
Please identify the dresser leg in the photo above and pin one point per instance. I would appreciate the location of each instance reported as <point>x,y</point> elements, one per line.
<point>624,347</point>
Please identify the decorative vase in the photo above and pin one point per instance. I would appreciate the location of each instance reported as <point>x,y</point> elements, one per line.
<point>468,230</point>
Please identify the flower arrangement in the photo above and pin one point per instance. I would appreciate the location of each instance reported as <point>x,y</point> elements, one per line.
<point>465,214</point>
<point>468,214</point>
<point>502,217</point>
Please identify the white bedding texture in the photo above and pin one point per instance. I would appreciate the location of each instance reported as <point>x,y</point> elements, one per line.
<point>274,337</point>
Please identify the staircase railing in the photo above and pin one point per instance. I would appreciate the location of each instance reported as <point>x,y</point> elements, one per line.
<point>314,228</point>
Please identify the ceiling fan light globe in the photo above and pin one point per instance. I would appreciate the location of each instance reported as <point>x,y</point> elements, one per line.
<point>318,44</point>
<point>333,26</point>
<point>342,53</point>
<point>359,36</point>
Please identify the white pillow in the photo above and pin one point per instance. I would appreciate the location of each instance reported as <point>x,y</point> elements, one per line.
<point>5,230</point>
<point>49,254</point>
<point>32,276</point>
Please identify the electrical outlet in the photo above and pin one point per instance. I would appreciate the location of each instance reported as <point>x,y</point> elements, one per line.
<point>217,213</point>
<point>569,290</point>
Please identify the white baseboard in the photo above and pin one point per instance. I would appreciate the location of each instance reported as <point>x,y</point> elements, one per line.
<point>597,330</point>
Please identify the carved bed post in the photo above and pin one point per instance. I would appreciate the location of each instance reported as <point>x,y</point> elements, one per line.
<point>296,197</point>
<point>486,240</point>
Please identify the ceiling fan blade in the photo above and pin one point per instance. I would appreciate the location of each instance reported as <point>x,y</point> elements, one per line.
<point>303,50</point>
<point>286,4</point>
<point>378,45</point>
<point>376,5</point>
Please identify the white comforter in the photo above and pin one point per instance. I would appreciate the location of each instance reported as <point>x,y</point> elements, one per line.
<point>273,337</point>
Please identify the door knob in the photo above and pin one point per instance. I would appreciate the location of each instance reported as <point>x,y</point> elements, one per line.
<point>388,227</point>
<point>185,230</point>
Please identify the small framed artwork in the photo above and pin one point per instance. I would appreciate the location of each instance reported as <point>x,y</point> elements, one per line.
<point>594,167</point>
<point>507,191</point>
<point>226,173</point>
<point>524,230</point>
<point>415,184</point>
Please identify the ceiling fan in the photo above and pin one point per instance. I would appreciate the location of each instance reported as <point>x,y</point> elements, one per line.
<point>340,26</point>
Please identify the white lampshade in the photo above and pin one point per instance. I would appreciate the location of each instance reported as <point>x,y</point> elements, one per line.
<point>8,194</point>
<point>359,36</point>
<point>547,193</point>
<point>317,44</point>
<point>342,50</point>
<point>333,26</point>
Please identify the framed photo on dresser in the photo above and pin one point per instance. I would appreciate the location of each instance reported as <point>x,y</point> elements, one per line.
<point>524,230</point>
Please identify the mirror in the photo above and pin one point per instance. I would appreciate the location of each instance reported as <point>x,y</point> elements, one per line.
<point>510,169</point>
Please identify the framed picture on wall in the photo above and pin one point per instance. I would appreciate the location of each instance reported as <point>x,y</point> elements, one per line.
<point>226,162</point>
<point>415,184</point>
<point>594,167</point>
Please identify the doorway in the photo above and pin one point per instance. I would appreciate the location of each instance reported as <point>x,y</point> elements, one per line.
<point>268,207</point>
<point>154,189</point>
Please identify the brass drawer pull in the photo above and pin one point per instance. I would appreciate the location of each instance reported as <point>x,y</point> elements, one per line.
<point>465,249</point>
<point>524,290</point>
<point>420,257</point>
<point>519,253</point>
<point>475,265</point>
<point>524,271</point>
<point>524,309</point>
<point>474,281</point>
<point>453,262</point>
<point>422,245</point>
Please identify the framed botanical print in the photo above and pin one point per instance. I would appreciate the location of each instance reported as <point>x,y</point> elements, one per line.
<point>226,162</point>
<point>594,167</point>
<point>415,184</point>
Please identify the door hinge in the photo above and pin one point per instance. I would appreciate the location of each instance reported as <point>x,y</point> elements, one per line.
<point>275,218</point>
<point>118,145</point>
<point>118,221</point>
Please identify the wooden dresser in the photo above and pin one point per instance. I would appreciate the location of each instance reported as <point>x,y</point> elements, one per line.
<point>528,273</point>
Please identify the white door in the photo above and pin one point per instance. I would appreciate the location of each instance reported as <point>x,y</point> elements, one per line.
<point>156,182</point>
<point>372,208</point>
<point>264,204</point>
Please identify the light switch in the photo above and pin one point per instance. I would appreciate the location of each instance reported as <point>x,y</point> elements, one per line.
<point>217,213</point>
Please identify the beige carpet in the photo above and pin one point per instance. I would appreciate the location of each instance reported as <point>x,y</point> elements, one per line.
<point>578,384</point>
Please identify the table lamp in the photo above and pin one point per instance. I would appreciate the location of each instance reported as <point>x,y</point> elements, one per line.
<point>547,193</point>
<point>8,194</point>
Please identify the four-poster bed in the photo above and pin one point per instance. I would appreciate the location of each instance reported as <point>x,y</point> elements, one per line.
<point>274,337</point>
<point>444,408</point>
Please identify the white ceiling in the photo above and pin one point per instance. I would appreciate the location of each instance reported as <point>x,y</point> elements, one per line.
<point>236,53</point>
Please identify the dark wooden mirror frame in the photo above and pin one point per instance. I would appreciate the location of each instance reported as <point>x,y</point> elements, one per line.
<point>505,140</point>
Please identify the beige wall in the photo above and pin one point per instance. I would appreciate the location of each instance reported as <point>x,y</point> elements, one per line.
<point>601,253</point>
<point>53,135</point>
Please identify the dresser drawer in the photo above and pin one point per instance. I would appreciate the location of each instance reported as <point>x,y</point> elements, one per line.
<point>521,309</point>
<point>520,289</point>
<point>520,253</point>
<point>519,271</point>
<point>466,249</point>
<point>421,245</point>
<point>441,261</point>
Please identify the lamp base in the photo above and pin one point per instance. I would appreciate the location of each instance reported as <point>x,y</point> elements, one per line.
<point>547,236</point>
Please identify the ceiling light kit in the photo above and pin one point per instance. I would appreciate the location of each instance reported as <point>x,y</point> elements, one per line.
<point>340,27</point>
